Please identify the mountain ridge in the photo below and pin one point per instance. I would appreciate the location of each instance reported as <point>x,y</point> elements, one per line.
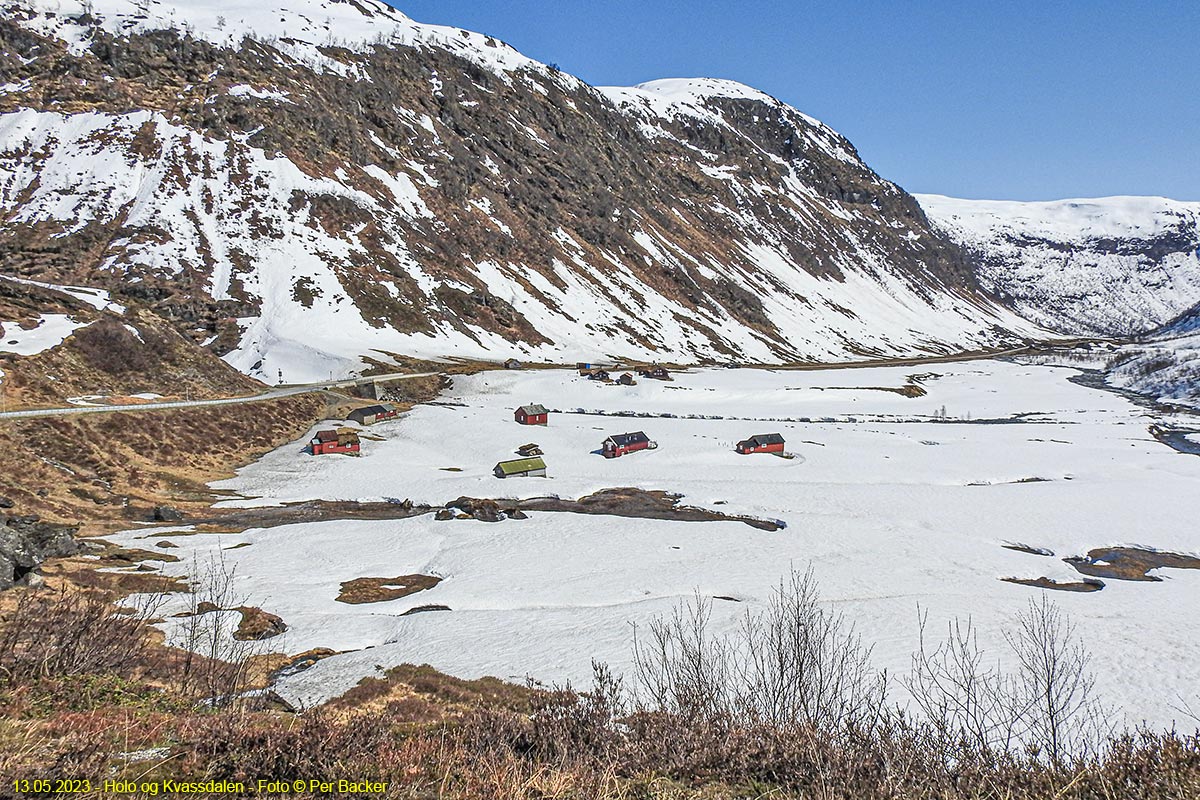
<point>414,200</point>
<point>356,186</point>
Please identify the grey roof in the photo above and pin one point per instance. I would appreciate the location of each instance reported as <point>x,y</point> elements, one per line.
<point>383,408</point>
<point>535,408</point>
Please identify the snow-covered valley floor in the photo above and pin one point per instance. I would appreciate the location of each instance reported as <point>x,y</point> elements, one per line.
<point>893,510</point>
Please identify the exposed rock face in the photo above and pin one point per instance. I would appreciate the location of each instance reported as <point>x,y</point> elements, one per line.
<point>427,191</point>
<point>27,541</point>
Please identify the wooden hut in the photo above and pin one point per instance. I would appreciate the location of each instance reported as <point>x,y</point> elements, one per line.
<point>620,444</point>
<point>761,443</point>
<point>532,414</point>
<point>369,415</point>
<point>343,440</point>
<point>521,468</point>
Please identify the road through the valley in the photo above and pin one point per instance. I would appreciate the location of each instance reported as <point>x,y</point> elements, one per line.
<point>288,391</point>
<point>272,394</point>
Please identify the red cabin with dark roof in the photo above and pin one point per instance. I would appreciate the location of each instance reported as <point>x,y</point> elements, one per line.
<point>761,443</point>
<point>532,414</point>
<point>621,443</point>
<point>344,440</point>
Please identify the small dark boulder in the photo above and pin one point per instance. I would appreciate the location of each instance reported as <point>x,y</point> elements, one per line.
<point>5,502</point>
<point>167,514</point>
<point>444,514</point>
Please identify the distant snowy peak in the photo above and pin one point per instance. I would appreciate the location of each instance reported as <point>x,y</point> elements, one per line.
<point>702,98</point>
<point>1109,266</point>
<point>697,92</point>
<point>353,24</point>
<point>1077,221</point>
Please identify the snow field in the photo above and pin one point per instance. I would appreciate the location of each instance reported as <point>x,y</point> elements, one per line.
<point>50,331</point>
<point>891,515</point>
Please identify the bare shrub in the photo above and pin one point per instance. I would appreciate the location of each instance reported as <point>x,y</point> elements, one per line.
<point>1055,685</point>
<point>962,695</point>
<point>59,633</point>
<point>581,726</point>
<point>795,663</point>
<point>211,664</point>
<point>800,662</point>
<point>1047,703</point>
<point>681,668</point>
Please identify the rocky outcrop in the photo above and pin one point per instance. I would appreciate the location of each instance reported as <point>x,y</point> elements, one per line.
<point>27,541</point>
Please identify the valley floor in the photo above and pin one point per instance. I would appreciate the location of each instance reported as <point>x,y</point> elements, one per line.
<point>905,485</point>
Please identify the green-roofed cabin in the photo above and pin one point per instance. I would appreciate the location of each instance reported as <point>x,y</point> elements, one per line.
<point>521,468</point>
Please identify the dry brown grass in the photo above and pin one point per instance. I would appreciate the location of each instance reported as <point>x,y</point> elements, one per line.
<point>1130,563</point>
<point>106,469</point>
<point>378,590</point>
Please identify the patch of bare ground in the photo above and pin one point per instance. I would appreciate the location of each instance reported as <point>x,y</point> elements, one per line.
<point>640,503</point>
<point>109,469</point>
<point>907,390</point>
<point>379,590</point>
<point>1030,479</point>
<point>85,574</point>
<point>437,694</point>
<point>1130,563</point>
<point>423,609</point>
<point>619,502</point>
<point>257,624</point>
<point>1062,586</point>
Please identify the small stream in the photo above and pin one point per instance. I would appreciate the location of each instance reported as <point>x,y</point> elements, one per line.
<point>1177,438</point>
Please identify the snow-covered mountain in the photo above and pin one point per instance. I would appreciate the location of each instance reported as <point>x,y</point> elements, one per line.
<point>300,184</point>
<point>1107,266</point>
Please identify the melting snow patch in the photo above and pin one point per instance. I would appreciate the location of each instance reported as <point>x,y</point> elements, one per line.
<point>245,90</point>
<point>51,330</point>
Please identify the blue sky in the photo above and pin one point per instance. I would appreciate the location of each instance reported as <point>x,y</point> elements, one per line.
<point>1010,100</point>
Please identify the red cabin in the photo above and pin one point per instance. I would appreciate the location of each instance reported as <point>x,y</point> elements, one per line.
<point>532,415</point>
<point>762,443</point>
<point>621,443</point>
<point>343,440</point>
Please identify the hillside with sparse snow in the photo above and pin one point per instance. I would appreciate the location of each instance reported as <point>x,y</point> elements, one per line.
<point>307,188</point>
<point>301,187</point>
<point>1107,266</point>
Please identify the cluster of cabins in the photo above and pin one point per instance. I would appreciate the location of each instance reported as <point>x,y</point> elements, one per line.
<point>619,444</point>
<point>345,441</point>
<point>597,373</point>
<point>531,463</point>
